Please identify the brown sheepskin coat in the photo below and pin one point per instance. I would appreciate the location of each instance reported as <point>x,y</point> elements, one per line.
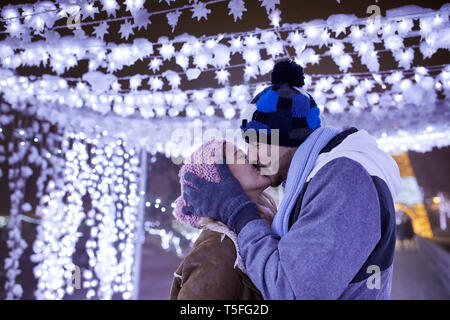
<point>209,273</point>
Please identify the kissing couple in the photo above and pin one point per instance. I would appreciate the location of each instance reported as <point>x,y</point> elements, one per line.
<point>332,235</point>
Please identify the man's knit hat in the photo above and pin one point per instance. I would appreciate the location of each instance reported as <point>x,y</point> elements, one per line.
<point>284,106</point>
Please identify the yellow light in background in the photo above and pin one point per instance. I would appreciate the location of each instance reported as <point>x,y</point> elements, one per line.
<point>436,200</point>
<point>419,217</point>
<point>417,212</point>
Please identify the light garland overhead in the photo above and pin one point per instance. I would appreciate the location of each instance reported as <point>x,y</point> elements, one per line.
<point>41,16</point>
<point>215,51</point>
<point>378,95</point>
<point>103,92</point>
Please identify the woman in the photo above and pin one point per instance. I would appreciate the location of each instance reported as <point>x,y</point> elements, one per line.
<point>214,270</point>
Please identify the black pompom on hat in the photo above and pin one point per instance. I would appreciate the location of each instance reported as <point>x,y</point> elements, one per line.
<point>288,72</point>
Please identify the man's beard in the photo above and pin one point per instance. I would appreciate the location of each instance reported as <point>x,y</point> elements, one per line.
<point>278,178</point>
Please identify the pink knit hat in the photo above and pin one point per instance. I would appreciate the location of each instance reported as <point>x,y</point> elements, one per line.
<point>203,164</point>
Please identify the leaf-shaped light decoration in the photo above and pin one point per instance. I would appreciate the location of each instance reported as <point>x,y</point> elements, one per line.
<point>324,38</point>
<point>156,83</point>
<point>134,5</point>
<point>202,60</point>
<point>275,18</point>
<point>155,64</point>
<point>370,59</point>
<point>221,96</point>
<point>173,78</point>
<point>338,23</point>
<point>308,56</point>
<point>337,49</point>
<point>237,8</point>
<point>265,66</point>
<point>192,74</point>
<point>135,81</point>
<point>222,76</point>
<point>101,30</point>
<point>110,6</point>
<point>344,62</point>
<point>295,38</point>
<point>404,58</point>
<point>275,48</point>
<point>236,45</point>
<point>182,61</point>
<point>200,11</point>
<point>10,12</point>
<point>269,4</point>
<point>221,56</point>
<point>89,10</point>
<point>250,72</point>
<point>251,41</point>
<point>126,29</point>
<point>172,18</point>
<point>404,26</point>
<point>356,34</point>
<point>142,19</point>
<point>167,51</point>
<point>15,28</point>
<point>251,56</point>
<point>393,43</point>
<point>142,48</point>
<point>99,82</point>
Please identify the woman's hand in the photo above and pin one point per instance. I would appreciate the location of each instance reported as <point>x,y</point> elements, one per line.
<point>225,201</point>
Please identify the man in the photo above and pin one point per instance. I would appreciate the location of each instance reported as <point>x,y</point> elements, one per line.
<point>333,236</point>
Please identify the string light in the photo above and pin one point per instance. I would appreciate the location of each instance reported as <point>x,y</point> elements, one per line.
<point>108,274</point>
<point>103,126</point>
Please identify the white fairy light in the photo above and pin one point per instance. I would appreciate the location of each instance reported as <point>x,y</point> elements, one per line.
<point>220,96</point>
<point>339,90</point>
<point>405,26</point>
<point>426,25</point>
<point>182,61</point>
<point>222,76</point>
<point>312,32</point>
<point>337,49</point>
<point>236,45</point>
<point>202,60</point>
<point>229,113</point>
<point>251,41</point>
<point>405,84</point>
<point>356,33</point>
<point>398,97</point>
<point>251,56</point>
<point>167,50</point>
<point>209,111</point>
<point>59,216</point>
<point>275,18</point>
